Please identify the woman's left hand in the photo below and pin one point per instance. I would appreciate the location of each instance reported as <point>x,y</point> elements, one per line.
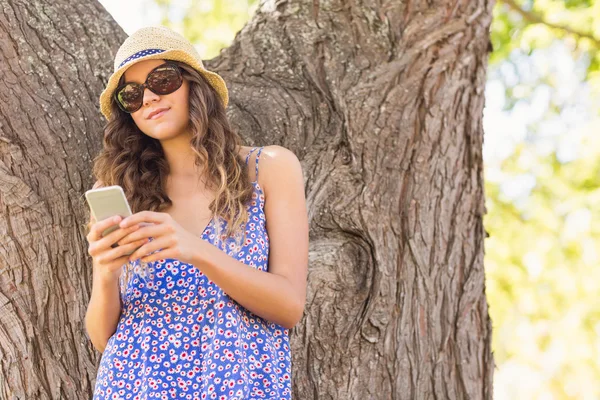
<point>168,235</point>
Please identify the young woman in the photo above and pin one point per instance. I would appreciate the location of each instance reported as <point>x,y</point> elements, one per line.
<point>206,312</point>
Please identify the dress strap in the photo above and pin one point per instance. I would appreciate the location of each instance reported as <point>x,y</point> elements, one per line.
<point>257,158</point>
<point>250,152</point>
<point>256,162</point>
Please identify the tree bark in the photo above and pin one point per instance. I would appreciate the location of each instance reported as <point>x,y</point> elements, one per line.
<point>55,58</point>
<point>382,103</point>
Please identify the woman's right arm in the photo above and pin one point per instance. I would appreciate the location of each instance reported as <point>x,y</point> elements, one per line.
<point>104,309</point>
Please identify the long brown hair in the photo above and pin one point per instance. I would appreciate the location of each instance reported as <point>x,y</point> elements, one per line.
<point>136,161</point>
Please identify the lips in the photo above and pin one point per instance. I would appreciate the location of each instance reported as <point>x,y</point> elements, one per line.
<point>157,113</point>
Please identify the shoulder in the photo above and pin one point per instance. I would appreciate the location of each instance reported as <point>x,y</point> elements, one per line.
<point>276,154</point>
<point>278,167</point>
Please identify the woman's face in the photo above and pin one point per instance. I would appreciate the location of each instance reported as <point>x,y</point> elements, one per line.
<point>169,124</point>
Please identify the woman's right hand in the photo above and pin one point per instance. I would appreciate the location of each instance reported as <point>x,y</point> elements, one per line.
<point>108,261</point>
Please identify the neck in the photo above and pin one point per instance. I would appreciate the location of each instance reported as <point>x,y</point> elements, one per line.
<point>178,153</point>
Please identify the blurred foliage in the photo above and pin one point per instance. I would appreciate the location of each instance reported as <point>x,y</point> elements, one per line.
<point>210,24</point>
<point>541,259</point>
<point>542,275</point>
<point>536,24</point>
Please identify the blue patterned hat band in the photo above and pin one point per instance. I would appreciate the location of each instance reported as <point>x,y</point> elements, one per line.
<point>139,54</point>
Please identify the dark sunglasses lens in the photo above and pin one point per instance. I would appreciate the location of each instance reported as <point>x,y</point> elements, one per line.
<point>164,80</point>
<point>130,97</point>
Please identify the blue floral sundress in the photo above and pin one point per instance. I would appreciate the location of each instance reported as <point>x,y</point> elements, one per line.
<point>180,336</point>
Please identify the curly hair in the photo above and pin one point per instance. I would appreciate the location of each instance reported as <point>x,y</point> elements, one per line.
<point>136,162</point>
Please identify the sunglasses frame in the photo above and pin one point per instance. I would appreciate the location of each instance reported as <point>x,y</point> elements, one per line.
<point>144,85</point>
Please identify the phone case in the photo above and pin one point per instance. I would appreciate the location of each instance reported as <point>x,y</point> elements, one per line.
<point>107,202</point>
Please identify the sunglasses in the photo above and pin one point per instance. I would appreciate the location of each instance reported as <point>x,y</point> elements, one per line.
<point>164,79</point>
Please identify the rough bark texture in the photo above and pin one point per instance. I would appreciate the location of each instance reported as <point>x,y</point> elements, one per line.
<point>54,60</point>
<point>381,101</point>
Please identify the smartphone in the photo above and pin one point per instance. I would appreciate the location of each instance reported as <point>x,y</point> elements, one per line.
<point>106,202</point>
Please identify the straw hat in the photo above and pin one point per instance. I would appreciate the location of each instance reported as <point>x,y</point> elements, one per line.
<point>157,42</point>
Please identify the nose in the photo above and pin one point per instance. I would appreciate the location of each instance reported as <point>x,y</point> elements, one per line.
<point>149,96</point>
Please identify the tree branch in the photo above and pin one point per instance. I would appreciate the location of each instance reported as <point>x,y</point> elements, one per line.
<point>535,18</point>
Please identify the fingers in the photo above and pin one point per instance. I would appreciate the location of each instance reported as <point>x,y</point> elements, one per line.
<point>117,235</point>
<point>161,243</point>
<point>126,248</point>
<point>99,227</point>
<point>152,230</point>
<point>145,216</point>
<point>109,264</point>
<point>100,245</point>
<point>117,253</point>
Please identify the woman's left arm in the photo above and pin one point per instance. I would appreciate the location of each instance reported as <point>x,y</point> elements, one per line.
<point>279,294</point>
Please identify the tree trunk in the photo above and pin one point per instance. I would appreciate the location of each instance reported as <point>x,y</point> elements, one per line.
<point>383,105</point>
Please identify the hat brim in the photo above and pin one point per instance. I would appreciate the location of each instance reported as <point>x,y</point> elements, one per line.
<point>215,80</point>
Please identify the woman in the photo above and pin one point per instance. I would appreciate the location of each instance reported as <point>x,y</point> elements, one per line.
<point>207,310</point>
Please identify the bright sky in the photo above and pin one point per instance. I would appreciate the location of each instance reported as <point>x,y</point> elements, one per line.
<point>133,14</point>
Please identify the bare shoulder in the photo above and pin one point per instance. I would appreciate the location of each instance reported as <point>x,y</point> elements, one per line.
<point>275,155</point>
<point>278,168</point>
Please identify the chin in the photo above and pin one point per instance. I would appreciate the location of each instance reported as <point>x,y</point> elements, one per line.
<point>162,131</point>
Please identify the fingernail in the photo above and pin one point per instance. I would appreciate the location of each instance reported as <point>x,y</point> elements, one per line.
<point>116,219</point>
